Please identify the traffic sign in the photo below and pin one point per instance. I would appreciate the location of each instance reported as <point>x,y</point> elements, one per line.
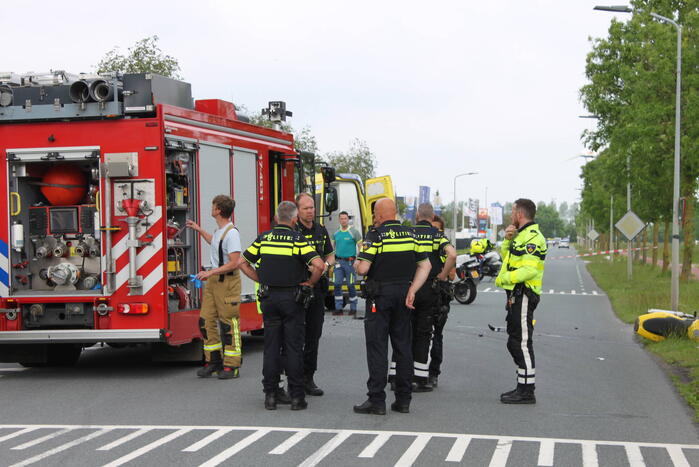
<point>630,225</point>
<point>592,234</point>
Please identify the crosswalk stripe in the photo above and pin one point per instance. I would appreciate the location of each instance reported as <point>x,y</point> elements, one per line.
<point>589,455</point>
<point>677,456</point>
<point>572,292</point>
<point>235,449</point>
<point>550,290</point>
<point>148,447</point>
<point>420,441</point>
<point>17,433</point>
<point>41,440</point>
<point>487,290</point>
<point>413,451</point>
<point>594,292</point>
<point>61,448</point>
<point>546,449</point>
<point>375,445</point>
<point>502,452</point>
<point>290,443</point>
<point>633,453</point>
<point>206,441</point>
<point>326,449</point>
<point>457,451</point>
<point>123,439</point>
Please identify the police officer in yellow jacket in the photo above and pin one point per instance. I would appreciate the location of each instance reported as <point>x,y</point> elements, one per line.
<point>523,252</point>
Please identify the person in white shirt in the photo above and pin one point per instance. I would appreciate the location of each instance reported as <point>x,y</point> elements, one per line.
<point>220,309</point>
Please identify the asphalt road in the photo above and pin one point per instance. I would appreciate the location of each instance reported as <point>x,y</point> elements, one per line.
<point>601,400</point>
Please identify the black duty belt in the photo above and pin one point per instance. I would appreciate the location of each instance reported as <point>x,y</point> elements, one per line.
<point>283,288</point>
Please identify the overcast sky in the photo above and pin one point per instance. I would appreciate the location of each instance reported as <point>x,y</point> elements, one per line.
<point>434,88</point>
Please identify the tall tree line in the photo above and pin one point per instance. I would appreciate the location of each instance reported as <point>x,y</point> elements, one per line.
<point>631,92</point>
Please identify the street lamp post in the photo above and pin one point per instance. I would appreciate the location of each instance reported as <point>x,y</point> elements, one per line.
<point>454,217</point>
<point>675,266</point>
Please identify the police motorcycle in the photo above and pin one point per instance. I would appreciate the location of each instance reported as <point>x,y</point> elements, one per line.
<point>468,275</point>
<point>488,258</point>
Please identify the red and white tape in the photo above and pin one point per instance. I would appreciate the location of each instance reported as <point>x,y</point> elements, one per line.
<point>605,252</point>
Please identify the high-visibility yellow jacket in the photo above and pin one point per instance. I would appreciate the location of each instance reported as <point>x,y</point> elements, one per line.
<point>523,259</point>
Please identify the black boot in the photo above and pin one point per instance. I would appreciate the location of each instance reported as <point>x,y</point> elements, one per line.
<point>369,407</point>
<point>524,394</point>
<point>434,380</point>
<point>298,403</point>
<point>311,388</point>
<point>229,372</point>
<point>270,401</point>
<point>214,365</point>
<point>282,396</point>
<point>209,369</point>
<point>422,386</point>
<point>401,407</point>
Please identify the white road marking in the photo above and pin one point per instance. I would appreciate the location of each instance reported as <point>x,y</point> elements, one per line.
<point>291,442</point>
<point>414,450</point>
<point>572,292</point>
<point>633,453</point>
<point>124,439</point>
<point>13,369</point>
<point>487,290</point>
<point>550,290</point>
<point>500,455</point>
<point>456,454</point>
<point>41,440</point>
<point>236,448</point>
<point>594,292</point>
<point>589,454</point>
<point>17,433</point>
<point>326,449</point>
<point>546,449</point>
<point>677,456</point>
<point>61,448</point>
<point>206,441</point>
<point>148,447</point>
<point>502,452</point>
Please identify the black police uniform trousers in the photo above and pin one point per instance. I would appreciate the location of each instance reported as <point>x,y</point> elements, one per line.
<point>285,327</point>
<point>423,319</point>
<point>521,303</point>
<point>315,316</point>
<point>391,318</point>
<point>439,320</point>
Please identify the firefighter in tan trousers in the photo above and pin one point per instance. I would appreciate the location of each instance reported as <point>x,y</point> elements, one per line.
<point>219,319</point>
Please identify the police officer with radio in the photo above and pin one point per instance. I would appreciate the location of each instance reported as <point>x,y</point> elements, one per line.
<point>523,253</point>
<point>317,237</point>
<point>446,295</point>
<point>279,260</point>
<point>391,260</point>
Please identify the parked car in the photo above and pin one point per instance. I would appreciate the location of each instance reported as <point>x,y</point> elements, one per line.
<point>564,243</point>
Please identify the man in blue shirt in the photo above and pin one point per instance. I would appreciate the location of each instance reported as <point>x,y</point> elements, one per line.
<point>346,239</point>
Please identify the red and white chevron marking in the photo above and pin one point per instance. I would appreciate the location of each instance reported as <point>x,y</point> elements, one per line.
<point>149,263</point>
<point>604,252</point>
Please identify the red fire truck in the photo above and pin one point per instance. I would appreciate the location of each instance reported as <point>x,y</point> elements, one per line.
<point>99,175</point>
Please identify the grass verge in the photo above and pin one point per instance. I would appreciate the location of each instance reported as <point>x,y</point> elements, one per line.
<point>650,288</point>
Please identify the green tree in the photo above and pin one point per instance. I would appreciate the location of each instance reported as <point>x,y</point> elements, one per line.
<point>359,159</point>
<point>549,221</point>
<point>631,90</point>
<point>144,56</point>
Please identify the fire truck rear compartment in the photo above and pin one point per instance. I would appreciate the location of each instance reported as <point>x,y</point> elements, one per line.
<point>54,223</point>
